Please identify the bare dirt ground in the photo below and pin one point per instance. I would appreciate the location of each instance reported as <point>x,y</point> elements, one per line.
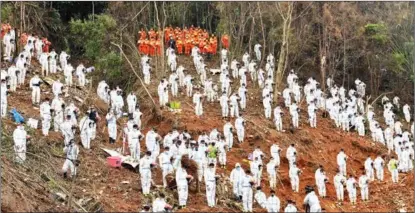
<point>32,186</point>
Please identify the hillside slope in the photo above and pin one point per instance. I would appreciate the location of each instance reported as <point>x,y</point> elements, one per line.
<point>31,187</point>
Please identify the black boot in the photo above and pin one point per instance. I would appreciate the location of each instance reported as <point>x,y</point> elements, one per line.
<point>65,175</point>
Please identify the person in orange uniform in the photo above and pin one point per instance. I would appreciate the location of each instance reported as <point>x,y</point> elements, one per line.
<point>23,39</point>
<point>225,41</point>
<point>179,46</point>
<point>145,47</point>
<point>202,47</point>
<point>152,47</point>
<point>142,34</point>
<point>46,45</point>
<point>140,46</point>
<point>188,46</point>
<point>158,46</point>
<point>152,34</point>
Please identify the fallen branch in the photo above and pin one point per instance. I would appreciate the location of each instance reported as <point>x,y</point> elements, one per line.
<point>385,93</point>
<point>132,67</point>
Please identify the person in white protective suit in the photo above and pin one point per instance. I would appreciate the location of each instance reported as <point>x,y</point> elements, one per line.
<point>44,62</point>
<point>339,183</point>
<point>294,174</point>
<point>8,42</point>
<point>267,102</point>
<point>291,154</point>
<point>188,81</point>
<point>294,112</point>
<point>234,105</point>
<point>275,153</point>
<point>311,201</point>
<point>57,87</point>
<point>245,60</point>
<point>152,142</point>
<point>134,137</point>
<point>208,90</point>
<point>35,86</point>
<point>180,74</point>
<point>200,157</point>
<point>312,110</point>
<point>118,104</point>
<point>242,93</point>
<point>45,115</point>
<point>278,118</point>
<point>72,151</point>
<point>182,180</point>
<point>257,50</point>
<point>228,134</point>
<point>286,94</point>
<point>73,111</point>
<point>20,142</point>
<point>53,61</point>
<point>224,55</point>
<point>67,72</point>
<point>351,186</point>
<point>378,165</point>
<point>58,107</point>
<point>272,173</point>
<point>260,197</point>
<point>80,73</point>
<point>197,100</point>
<point>174,84</point>
<point>3,98</point>
<point>38,45</point>
<point>247,194</point>
<point>165,159</point>
<point>84,127</point>
<point>67,130</point>
<point>364,186</point>
<point>146,164</point>
<point>147,72</point>
<point>63,59</point>
<point>236,178</point>
<point>210,180</point>
<point>370,173</point>
<point>252,68</point>
<point>112,126</point>
<point>131,102</point>
<point>222,148</point>
<point>273,203</point>
<point>321,180</point>
<point>160,205</point>
<point>290,208</point>
<point>22,66</point>
<point>341,162</point>
<point>240,128</point>
<point>172,61</point>
<point>14,74</point>
<point>407,112</point>
<point>223,100</point>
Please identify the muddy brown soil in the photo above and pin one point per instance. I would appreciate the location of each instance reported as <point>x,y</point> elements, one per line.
<point>24,189</point>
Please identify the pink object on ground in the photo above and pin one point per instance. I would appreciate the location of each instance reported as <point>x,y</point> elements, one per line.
<point>114,161</point>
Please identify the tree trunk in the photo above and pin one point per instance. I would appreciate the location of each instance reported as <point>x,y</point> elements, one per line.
<point>250,35</point>
<point>263,36</point>
<point>344,56</point>
<point>282,61</point>
<point>162,35</point>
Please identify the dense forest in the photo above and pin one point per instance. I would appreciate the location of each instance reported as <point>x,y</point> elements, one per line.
<point>373,41</point>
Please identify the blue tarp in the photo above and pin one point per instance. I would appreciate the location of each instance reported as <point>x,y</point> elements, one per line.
<point>17,117</point>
